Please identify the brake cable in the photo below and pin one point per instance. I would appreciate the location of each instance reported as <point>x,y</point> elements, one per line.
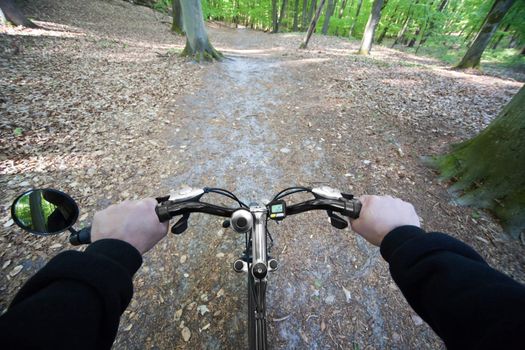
<point>225,193</point>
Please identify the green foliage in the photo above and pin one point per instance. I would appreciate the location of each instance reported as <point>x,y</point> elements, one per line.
<point>441,28</point>
<point>18,132</point>
<point>23,210</point>
<point>162,6</point>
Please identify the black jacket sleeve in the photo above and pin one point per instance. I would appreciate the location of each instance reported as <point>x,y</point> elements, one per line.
<point>73,302</point>
<point>465,301</point>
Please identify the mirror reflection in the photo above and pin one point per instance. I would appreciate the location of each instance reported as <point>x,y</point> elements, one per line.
<point>44,211</point>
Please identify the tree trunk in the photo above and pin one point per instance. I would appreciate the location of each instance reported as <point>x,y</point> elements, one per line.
<point>275,17</point>
<point>412,41</point>
<point>281,15</point>
<point>402,31</point>
<point>340,15</point>
<point>197,43</point>
<point>12,13</point>
<point>387,25</point>
<point>359,4</point>
<point>513,42</point>
<point>313,24</point>
<point>342,9</point>
<point>295,25</point>
<point>489,27</point>
<point>304,21</point>
<point>328,14</point>
<point>498,40</point>
<point>311,11</point>
<point>373,20</point>
<point>490,168</point>
<point>382,35</point>
<point>176,11</point>
<point>38,221</point>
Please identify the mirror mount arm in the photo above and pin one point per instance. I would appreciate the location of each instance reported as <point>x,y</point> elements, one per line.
<point>80,237</point>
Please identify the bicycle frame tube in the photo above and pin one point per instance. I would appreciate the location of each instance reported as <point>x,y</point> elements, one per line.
<point>259,235</point>
<point>259,270</point>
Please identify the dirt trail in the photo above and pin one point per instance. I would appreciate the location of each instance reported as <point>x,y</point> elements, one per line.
<point>268,117</point>
<point>236,132</point>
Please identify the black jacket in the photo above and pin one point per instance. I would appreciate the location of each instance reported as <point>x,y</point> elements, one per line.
<point>76,300</point>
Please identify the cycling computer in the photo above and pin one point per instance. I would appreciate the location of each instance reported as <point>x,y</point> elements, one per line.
<point>277,210</point>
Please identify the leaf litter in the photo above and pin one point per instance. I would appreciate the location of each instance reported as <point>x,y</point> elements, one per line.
<point>92,105</point>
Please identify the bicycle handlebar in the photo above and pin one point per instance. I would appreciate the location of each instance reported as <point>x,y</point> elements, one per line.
<point>350,208</point>
<point>167,209</point>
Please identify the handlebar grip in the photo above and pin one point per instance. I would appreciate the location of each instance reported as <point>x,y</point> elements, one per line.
<point>347,207</point>
<point>81,237</point>
<point>163,212</point>
<point>356,208</point>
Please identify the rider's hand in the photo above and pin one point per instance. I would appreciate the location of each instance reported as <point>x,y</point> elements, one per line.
<point>380,215</point>
<point>134,222</point>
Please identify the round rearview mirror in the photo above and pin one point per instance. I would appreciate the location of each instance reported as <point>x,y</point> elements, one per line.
<point>44,211</point>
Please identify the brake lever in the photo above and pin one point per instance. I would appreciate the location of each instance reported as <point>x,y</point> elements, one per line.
<point>181,225</point>
<point>337,221</point>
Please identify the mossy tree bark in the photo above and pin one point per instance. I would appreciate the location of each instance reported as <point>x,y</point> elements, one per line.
<point>489,27</point>
<point>373,20</point>
<point>12,13</point>
<point>197,43</point>
<point>489,170</point>
<point>176,11</point>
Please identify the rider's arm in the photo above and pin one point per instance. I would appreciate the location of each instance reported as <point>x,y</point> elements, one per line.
<point>76,300</point>
<point>467,303</point>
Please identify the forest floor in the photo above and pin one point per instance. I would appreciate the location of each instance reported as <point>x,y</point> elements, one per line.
<point>98,104</point>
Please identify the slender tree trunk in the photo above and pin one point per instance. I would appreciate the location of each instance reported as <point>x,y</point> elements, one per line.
<point>373,20</point>
<point>382,35</point>
<point>12,13</point>
<point>176,11</point>
<point>197,43</point>
<point>304,21</point>
<point>311,11</point>
<point>513,42</point>
<point>387,25</point>
<point>328,14</point>
<point>352,29</point>
<point>402,31</point>
<point>340,15</point>
<point>38,221</point>
<point>489,27</point>
<point>498,40</point>
<point>295,16</point>
<point>281,15</point>
<point>313,24</point>
<point>275,18</point>
<point>490,168</point>
<point>342,8</point>
<point>412,41</point>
